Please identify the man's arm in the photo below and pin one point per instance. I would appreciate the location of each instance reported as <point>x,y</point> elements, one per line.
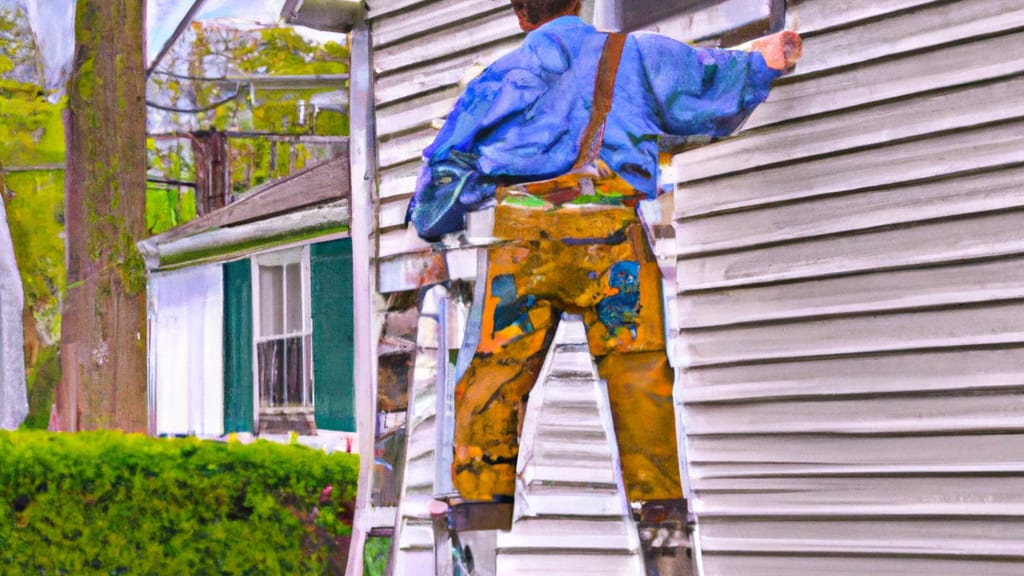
<point>701,91</point>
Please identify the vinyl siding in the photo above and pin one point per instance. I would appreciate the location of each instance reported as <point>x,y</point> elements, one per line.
<point>851,335</point>
<point>421,51</point>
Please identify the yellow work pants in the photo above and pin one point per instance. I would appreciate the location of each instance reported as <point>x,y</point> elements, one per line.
<point>583,259</point>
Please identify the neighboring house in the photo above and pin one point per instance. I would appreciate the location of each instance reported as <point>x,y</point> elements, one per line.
<point>250,313</point>
<point>848,273</point>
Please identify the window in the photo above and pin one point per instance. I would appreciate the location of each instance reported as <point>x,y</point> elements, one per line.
<point>288,341</point>
<point>283,332</point>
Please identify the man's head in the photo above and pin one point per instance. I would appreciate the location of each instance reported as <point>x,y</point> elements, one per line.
<point>533,13</point>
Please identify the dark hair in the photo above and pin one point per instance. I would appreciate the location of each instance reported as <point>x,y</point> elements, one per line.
<point>540,11</point>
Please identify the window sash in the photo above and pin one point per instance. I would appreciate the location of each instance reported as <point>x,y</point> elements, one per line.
<point>282,346</point>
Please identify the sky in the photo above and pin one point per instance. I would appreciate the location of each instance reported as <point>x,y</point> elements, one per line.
<point>56,37</point>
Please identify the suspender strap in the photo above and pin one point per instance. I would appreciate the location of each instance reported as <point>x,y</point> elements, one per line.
<point>604,87</point>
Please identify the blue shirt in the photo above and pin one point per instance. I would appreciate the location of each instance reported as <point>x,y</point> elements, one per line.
<point>522,118</point>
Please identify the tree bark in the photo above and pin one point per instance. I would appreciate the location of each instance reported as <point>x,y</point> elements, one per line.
<point>103,335</point>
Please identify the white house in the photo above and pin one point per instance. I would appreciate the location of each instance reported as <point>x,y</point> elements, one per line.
<point>250,313</point>
<point>845,306</point>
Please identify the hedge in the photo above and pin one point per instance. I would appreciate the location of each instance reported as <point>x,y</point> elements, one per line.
<point>112,503</point>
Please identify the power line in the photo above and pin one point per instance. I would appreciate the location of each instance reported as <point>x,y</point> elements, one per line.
<point>198,110</point>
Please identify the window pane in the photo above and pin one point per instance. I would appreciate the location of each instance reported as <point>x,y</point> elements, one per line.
<point>270,356</point>
<point>271,300</point>
<point>294,304</point>
<point>294,371</point>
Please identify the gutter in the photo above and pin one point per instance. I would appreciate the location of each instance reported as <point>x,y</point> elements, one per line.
<point>225,243</point>
<point>327,15</point>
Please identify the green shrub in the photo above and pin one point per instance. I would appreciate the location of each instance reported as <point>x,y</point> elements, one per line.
<point>112,503</point>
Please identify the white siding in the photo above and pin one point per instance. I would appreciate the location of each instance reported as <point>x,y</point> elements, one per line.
<point>421,52</point>
<point>850,273</point>
<point>186,364</point>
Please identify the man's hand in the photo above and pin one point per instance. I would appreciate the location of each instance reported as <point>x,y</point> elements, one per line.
<point>780,50</point>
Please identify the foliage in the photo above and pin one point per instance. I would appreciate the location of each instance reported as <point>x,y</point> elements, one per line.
<point>110,503</point>
<point>41,382</point>
<point>169,205</point>
<point>35,210</point>
<point>32,135</point>
<point>376,552</point>
<point>193,76</point>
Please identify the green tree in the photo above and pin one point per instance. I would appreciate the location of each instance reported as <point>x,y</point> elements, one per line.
<point>192,91</point>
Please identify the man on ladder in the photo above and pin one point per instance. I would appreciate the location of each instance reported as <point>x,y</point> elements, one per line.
<point>562,135</point>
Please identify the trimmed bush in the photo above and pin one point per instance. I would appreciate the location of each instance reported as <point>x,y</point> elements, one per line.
<point>112,503</point>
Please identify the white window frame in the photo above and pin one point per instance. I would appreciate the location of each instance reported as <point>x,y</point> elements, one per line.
<point>297,255</point>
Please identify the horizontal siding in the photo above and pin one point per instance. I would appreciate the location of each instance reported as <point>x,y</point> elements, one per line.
<point>997,410</point>
<point>948,196</point>
<point>887,290</point>
<point>953,370</point>
<point>413,548</point>
<point>410,24</point>
<point>902,75</point>
<point>907,537</point>
<point>936,24</point>
<point>573,514</point>
<point>977,104</point>
<point>422,51</point>
<point>850,284</point>
<point>439,75</point>
<point>822,455</point>
<point>885,164</point>
<point>853,565</point>
<point>814,16</point>
<point>943,328</point>
<point>931,243</point>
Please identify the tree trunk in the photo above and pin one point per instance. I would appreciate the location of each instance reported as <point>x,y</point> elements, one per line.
<point>103,335</point>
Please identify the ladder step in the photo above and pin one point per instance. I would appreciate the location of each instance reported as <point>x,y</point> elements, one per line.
<point>569,564</point>
<point>569,534</point>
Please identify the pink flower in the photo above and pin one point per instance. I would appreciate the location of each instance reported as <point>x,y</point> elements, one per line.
<point>325,494</point>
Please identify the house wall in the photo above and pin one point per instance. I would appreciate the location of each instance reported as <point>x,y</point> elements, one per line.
<point>186,364</point>
<point>850,274</point>
<point>201,327</point>
<point>421,52</point>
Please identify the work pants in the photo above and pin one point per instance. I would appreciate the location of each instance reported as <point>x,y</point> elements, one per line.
<point>591,260</point>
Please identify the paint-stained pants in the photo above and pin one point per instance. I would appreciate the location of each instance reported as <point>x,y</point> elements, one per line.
<point>589,260</point>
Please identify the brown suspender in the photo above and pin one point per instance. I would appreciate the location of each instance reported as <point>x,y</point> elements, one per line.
<point>557,191</point>
<point>604,87</point>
